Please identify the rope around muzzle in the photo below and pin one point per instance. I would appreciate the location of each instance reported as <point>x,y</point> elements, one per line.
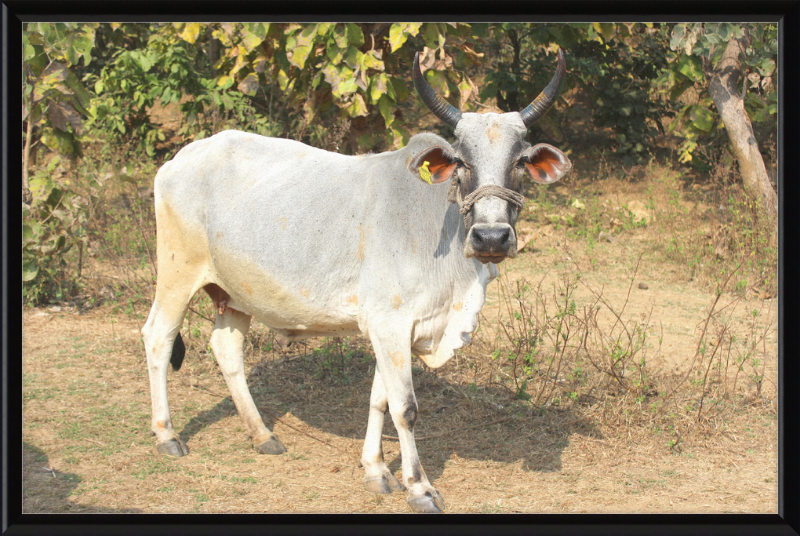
<point>487,190</point>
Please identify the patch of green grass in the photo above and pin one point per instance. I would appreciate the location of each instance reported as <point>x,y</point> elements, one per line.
<point>488,508</point>
<point>39,393</point>
<point>69,477</point>
<point>153,466</point>
<point>113,426</point>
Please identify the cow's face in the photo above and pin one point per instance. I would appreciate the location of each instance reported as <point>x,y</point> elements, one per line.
<point>490,160</point>
<point>491,150</point>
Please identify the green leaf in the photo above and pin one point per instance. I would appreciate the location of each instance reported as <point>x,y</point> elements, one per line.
<point>702,119</point>
<point>379,87</point>
<point>340,78</point>
<point>438,81</point>
<point>340,36</point>
<point>29,270</point>
<point>251,41</point>
<point>257,29</point>
<point>358,107</point>
<point>27,232</point>
<point>34,37</point>
<point>680,88</point>
<point>71,55</point>
<point>399,32</point>
<point>677,36</point>
<point>370,61</point>
<point>225,82</point>
<point>767,67</point>
<point>41,187</point>
<point>691,67</point>
<point>400,89</point>
<point>283,80</point>
<point>324,27</point>
<point>316,80</point>
<point>28,52</point>
<point>353,57</point>
<point>302,47</point>
<point>433,39</point>
<point>144,62</point>
<point>300,55</point>
<point>83,97</point>
<point>605,29</point>
<point>190,32</point>
<point>249,86</point>
<point>355,36</point>
<point>386,108</point>
<point>334,53</point>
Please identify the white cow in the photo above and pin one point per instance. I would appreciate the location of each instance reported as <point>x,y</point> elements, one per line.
<point>314,243</point>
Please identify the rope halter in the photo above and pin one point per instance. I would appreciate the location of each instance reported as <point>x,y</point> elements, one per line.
<point>487,190</point>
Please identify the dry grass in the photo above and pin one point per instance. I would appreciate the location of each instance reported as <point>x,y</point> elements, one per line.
<point>659,397</point>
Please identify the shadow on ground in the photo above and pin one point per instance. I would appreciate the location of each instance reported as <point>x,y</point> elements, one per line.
<point>47,490</point>
<point>468,422</point>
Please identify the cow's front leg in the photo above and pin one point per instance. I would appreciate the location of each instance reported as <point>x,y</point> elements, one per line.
<point>393,355</point>
<point>377,477</point>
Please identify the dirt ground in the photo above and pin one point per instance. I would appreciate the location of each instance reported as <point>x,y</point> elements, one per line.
<point>88,447</point>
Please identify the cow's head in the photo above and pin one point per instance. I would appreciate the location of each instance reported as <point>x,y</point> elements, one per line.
<point>488,163</point>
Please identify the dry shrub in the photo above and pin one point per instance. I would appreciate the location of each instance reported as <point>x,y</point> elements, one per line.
<point>546,350</point>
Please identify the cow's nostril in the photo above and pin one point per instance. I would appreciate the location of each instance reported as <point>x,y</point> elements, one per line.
<point>504,235</point>
<point>491,239</point>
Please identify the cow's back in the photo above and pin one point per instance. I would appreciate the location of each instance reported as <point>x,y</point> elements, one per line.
<point>282,225</point>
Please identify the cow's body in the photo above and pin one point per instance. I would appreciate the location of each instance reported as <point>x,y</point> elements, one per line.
<point>314,243</point>
<point>332,242</point>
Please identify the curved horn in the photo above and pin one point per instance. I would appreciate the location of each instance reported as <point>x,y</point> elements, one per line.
<point>542,103</point>
<point>449,114</point>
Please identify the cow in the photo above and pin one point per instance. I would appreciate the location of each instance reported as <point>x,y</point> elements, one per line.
<point>397,246</point>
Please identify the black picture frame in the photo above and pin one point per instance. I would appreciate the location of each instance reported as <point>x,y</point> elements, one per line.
<point>14,13</point>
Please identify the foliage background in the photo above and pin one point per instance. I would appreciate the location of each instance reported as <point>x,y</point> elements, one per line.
<point>101,90</point>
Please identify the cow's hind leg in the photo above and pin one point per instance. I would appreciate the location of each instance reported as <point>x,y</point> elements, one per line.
<point>377,477</point>
<point>161,336</point>
<point>227,343</point>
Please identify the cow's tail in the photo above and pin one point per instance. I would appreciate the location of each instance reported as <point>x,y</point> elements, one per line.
<point>178,352</point>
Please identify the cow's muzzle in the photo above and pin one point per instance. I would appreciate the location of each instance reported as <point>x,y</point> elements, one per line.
<point>491,242</point>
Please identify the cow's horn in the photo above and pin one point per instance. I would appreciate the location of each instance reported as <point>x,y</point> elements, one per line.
<point>449,114</point>
<point>545,100</point>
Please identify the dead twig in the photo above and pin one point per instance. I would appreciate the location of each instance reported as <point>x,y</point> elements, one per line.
<point>490,423</point>
<point>277,419</point>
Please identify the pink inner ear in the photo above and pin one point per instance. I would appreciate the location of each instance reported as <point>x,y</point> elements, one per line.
<point>439,164</point>
<point>442,172</point>
<point>545,166</point>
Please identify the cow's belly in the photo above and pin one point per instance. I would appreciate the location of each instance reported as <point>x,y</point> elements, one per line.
<point>304,308</point>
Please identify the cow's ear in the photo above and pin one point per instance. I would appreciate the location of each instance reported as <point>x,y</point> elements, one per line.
<point>434,164</point>
<point>546,164</point>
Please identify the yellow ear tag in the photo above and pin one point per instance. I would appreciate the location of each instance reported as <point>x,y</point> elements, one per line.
<point>425,173</point>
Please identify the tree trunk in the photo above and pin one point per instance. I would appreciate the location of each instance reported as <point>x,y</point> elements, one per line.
<point>730,103</point>
<point>26,191</point>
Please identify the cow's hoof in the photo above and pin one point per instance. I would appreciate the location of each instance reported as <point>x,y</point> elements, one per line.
<point>173,447</point>
<point>271,446</point>
<point>429,502</point>
<point>384,484</point>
